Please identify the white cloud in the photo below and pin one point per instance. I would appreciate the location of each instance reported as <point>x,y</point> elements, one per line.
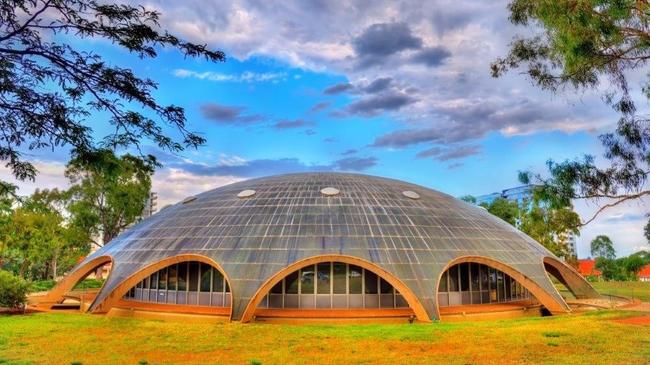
<point>623,224</point>
<point>246,76</point>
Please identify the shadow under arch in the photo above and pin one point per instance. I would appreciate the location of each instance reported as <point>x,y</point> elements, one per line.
<point>123,287</point>
<point>56,295</point>
<point>409,296</point>
<point>551,303</point>
<point>571,279</point>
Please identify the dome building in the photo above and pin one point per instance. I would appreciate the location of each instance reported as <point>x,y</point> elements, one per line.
<point>323,245</point>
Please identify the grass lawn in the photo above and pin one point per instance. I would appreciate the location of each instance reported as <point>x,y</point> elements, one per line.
<point>635,289</point>
<point>66,338</point>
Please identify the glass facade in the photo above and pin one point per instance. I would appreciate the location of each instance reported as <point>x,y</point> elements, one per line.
<point>186,283</point>
<point>332,285</point>
<point>472,283</point>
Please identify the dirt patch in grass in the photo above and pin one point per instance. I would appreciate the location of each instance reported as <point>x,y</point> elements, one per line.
<point>641,320</point>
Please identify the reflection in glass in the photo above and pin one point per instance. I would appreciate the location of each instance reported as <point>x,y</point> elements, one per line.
<point>323,284</point>
<point>307,280</point>
<point>339,278</point>
<point>354,279</point>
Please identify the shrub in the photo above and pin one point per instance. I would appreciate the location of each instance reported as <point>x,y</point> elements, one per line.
<point>13,290</point>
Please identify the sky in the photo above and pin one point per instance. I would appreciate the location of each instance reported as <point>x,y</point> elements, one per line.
<point>390,88</point>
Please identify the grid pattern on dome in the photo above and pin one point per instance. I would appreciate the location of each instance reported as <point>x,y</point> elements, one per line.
<point>289,219</point>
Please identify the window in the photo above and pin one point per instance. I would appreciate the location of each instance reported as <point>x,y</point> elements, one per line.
<point>217,281</point>
<point>354,277</point>
<point>162,279</point>
<point>370,282</point>
<point>453,278</point>
<point>475,278</point>
<point>154,280</point>
<point>194,276</point>
<point>484,278</point>
<point>292,283</point>
<point>323,281</point>
<point>464,277</point>
<point>182,276</point>
<point>307,280</point>
<point>385,287</point>
<point>277,288</point>
<point>173,276</point>
<point>332,281</point>
<point>339,278</point>
<point>206,272</point>
<point>176,279</point>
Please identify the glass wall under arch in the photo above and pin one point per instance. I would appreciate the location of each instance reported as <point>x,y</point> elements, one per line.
<point>473,283</point>
<point>184,283</point>
<point>333,285</point>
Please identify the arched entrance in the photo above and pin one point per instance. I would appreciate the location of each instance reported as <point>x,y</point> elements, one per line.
<point>183,284</point>
<point>334,286</point>
<point>502,281</point>
<point>571,279</point>
<point>58,293</point>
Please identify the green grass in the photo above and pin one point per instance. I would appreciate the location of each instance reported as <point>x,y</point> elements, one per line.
<point>636,289</point>
<point>631,289</point>
<point>64,338</point>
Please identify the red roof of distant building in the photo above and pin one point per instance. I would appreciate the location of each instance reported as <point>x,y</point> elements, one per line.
<point>588,267</point>
<point>645,272</point>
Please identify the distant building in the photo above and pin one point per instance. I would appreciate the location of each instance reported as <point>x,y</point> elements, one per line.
<point>150,205</point>
<point>519,194</point>
<point>587,267</point>
<point>524,195</point>
<point>644,274</point>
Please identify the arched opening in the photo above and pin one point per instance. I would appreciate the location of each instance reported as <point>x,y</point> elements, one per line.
<point>481,281</point>
<point>473,283</point>
<point>334,286</point>
<point>186,283</point>
<point>69,289</point>
<point>567,277</point>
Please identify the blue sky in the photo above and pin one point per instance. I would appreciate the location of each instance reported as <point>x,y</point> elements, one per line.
<point>400,89</point>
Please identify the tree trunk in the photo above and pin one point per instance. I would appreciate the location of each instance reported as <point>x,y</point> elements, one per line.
<point>54,265</point>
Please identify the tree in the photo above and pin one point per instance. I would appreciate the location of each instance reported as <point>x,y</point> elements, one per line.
<point>13,291</point>
<point>549,226</point>
<point>48,88</point>
<point>504,209</point>
<point>37,239</point>
<point>633,264</point>
<point>468,199</point>
<point>580,44</point>
<point>646,231</point>
<point>108,193</point>
<point>602,246</point>
<point>552,227</point>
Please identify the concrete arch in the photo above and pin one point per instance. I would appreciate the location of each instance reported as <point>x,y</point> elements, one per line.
<point>409,296</point>
<point>551,303</point>
<point>122,288</point>
<point>56,295</point>
<point>568,276</point>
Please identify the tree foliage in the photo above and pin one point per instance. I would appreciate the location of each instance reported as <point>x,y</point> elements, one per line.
<point>13,290</point>
<point>578,45</point>
<point>602,246</point>
<point>49,88</point>
<point>37,240</point>
<point>552,227</point>
<point>108,193</point>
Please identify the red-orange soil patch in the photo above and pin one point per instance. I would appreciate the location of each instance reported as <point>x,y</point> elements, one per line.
<point>641,320</point>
